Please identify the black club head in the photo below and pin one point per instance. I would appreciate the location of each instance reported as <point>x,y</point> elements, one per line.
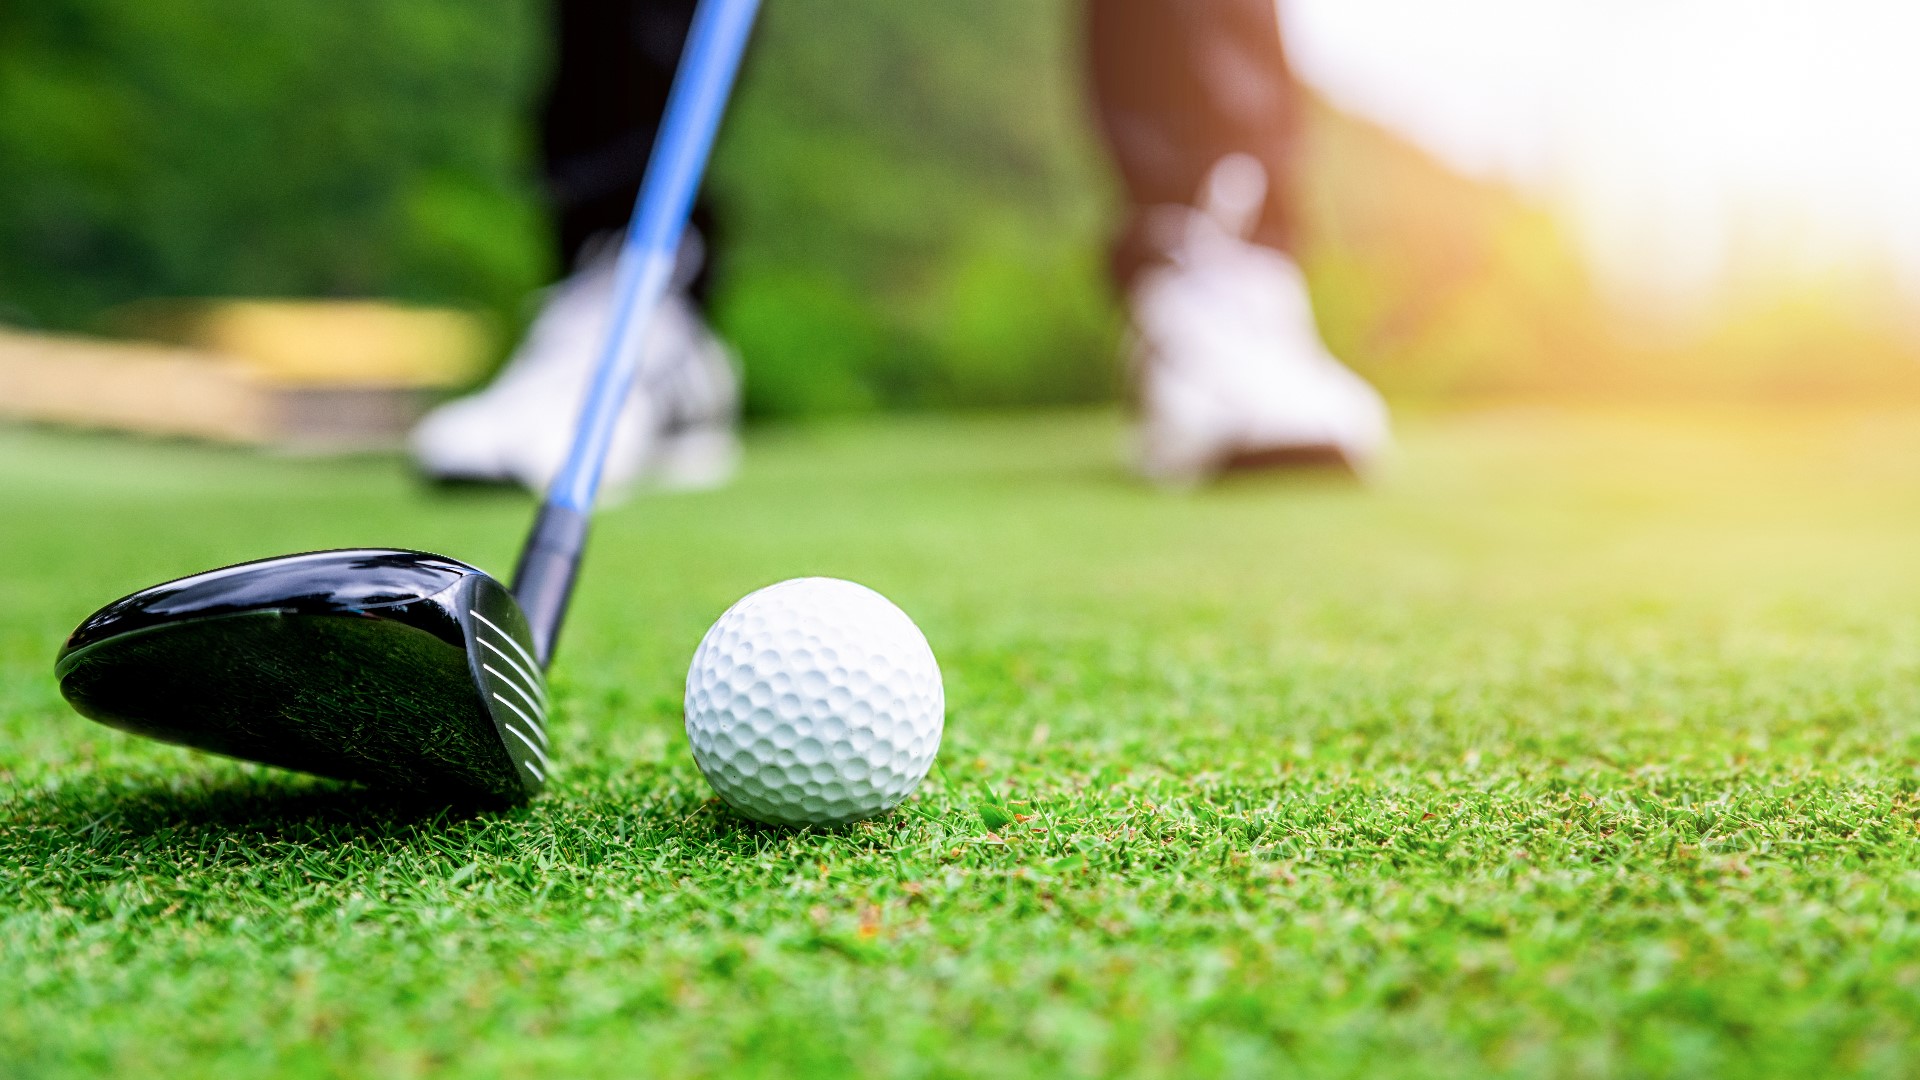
<point>395,668</point>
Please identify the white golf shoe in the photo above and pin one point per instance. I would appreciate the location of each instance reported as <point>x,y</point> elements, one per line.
<point>678,428</point>
<point>1229,366</point>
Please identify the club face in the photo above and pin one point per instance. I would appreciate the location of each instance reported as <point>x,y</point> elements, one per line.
<point>396,668</point>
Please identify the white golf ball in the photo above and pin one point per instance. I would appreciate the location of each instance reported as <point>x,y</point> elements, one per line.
<point>814,702</point>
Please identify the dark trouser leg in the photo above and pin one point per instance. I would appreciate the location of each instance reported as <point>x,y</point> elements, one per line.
<point>1180,84</point>
<point>613,67</point>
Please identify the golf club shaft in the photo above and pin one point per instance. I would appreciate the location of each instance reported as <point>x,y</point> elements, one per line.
<point>543,582</point>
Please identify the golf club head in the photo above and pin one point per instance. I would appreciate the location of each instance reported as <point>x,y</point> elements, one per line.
<point>395,668</point>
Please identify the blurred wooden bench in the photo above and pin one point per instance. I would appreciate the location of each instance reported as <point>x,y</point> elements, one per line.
<point>308,376</point>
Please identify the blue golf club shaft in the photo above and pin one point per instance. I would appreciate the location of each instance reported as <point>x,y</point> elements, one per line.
<point>543,581</point>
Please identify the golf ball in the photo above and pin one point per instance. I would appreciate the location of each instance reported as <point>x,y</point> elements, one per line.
<point>814,702</point>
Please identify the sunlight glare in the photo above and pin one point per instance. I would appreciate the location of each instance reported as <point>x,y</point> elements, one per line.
<point>1692,146</point>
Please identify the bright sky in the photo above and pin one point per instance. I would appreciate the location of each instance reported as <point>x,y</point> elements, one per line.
<point>1690,143</point>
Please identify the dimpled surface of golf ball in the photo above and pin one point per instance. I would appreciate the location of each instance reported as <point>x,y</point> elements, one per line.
<point>814,702</point>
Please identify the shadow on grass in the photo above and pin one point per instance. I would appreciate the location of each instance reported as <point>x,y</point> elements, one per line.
<point>1276,473</point>
<point>469,490</point>
<point>270,808</point>
<point>226,820</point>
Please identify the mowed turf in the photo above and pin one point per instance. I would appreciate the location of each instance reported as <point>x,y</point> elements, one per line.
<point>1581,744</point>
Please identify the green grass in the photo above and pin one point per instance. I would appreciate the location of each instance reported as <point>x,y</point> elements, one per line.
<point>1583,744</point>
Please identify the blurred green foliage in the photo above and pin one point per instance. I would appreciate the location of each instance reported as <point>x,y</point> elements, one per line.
<point>232,147</point>
<point>913,209</point>
<point>917,207</point>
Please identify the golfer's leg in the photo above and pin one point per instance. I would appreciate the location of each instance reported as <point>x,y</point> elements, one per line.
<point>613,66</point>
<point>1180,84</point>
<point>1202,117</point>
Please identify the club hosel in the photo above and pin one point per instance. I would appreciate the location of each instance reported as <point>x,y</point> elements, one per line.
<point>543,582</point>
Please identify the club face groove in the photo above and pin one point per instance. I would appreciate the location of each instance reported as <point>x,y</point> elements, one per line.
<point>364,664</point>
